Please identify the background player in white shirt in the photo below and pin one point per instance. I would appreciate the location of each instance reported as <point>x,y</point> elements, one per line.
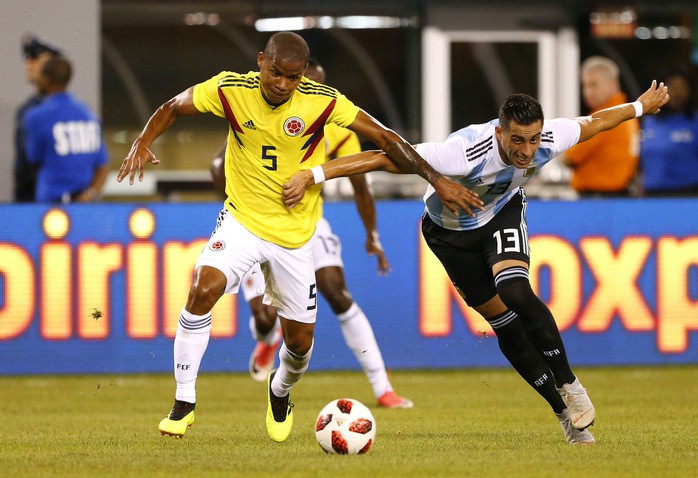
<point>486,254</point>
<point>329,272</point>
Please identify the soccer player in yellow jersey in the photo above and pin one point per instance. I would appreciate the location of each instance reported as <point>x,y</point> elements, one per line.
<point>329,274</point>
<point>276,123</point>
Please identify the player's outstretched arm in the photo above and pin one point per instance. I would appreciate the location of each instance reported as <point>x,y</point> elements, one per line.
<point>159,122</point>
<point>358,163</point>
<point>452,194</point>
<point>648,103</point>
<point>366,205</point>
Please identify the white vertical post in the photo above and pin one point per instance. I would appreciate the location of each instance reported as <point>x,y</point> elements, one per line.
<point>547,74</point>
<point>568,77</point>
<point>436,85</point>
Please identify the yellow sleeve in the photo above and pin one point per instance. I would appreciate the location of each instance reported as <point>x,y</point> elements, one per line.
<point>206,97</point>
<point>341,141</point>
<point>352,145</point>
<point>344,112</point>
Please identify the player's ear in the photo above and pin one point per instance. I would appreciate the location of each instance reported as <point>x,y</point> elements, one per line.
<point>260,59</point>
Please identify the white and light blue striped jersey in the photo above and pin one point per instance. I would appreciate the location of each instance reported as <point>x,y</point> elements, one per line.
<point>470,156</point>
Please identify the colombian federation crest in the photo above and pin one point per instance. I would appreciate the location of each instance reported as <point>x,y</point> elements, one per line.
<point>217,246</point>
<point>294,126</point>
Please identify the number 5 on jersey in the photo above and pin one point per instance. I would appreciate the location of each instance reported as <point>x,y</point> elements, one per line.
<point>312,296</point>
<point>268,156</point>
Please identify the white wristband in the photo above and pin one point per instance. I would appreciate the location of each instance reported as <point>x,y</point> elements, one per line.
<point>638,108</point>
<point>318,174</point>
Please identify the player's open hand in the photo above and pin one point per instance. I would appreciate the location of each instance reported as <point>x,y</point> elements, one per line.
<point>654,98</point>
<point>294,189</point>
<point>134,161</point>
<point>454,196</point>
<point>375,248</point>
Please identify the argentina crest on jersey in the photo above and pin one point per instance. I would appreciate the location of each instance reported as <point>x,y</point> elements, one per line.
<point>530,170</point>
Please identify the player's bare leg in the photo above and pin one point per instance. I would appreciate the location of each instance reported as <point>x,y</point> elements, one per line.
<point>358,335</point>
<point>294,356</point>
<point>191,340</point>
<point>266,329</point>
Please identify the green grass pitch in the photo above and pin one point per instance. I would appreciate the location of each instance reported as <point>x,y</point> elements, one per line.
<point>466,423</point>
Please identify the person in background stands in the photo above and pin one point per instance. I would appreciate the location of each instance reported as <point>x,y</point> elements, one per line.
<point>606,165</point>
<point>64,140</point>
<point>487,256</point>
<point>329,273</point>
<point>669,148</point>
<point>35,53</point>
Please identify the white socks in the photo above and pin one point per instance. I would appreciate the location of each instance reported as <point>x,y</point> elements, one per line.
<point>193,332</point>
<point>291,369</point>
<point>359,337</point>
<point>190,344</point>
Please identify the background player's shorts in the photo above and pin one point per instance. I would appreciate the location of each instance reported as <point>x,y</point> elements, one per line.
<point>327,247</point>
<point>289,273</point>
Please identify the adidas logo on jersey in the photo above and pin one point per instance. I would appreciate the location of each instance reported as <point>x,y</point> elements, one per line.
<point>249,125</point>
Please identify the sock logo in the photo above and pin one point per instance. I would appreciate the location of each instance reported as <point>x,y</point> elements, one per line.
<point>541,380</point>
<point>183,366</point>
<point>551,353</point>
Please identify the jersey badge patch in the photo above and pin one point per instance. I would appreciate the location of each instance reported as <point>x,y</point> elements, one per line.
<point>294,126</point>
<point>531,170</point>
<point>217,246</point>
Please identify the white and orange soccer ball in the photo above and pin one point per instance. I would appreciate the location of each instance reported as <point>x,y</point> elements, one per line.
<point>346,427</point>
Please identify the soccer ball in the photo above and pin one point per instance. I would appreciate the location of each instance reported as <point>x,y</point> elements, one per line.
<point>345,427</point>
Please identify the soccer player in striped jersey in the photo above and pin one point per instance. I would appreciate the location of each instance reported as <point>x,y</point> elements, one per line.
<point>329,273</point>
<point>276,123</point>
<point>486,255</point>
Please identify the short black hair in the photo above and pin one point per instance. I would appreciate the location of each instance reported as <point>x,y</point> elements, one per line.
<point>520,108</point>
<point>288,46</point>
<point>58,71</point>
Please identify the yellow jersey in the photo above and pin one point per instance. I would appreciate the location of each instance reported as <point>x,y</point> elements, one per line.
<point>340,142</point>
<point>269,144</point>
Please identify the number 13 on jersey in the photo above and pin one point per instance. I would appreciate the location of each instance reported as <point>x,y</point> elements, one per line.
<point>508,240</point>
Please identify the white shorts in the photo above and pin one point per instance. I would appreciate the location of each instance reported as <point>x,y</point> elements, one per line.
<point>327,252</point>
<point>289,273</point>
<point>327,247</point>
<point>252,284</point>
